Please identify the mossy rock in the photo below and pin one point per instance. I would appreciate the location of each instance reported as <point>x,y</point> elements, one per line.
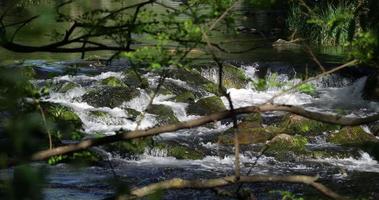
<point>234,77</point>
<point>112,82</point>
<point>170,87</point>
<point>352,136</point>
<point>295,124</point>
<point>99,114</point>
<point>134,79</point>
<point>188,76</point>
<point>64,87</point>
<point>194,78</point>
<point>185,97</point>
<point>82,158</point>
<point>67,122</point>
<point>62,113</point>
<point>211,88</point>
<point>28,72</point>
<point>284,146</point>
<point>132,114</point>
<point>109,96</point>
<point>206,106</point>
<point>248,134</point>
<point>164,113</point>
<point>130,148</point>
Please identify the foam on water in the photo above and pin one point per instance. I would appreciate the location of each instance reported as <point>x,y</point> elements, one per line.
<point>365,163</point>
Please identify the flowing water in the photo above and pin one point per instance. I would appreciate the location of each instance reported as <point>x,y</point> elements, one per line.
<point>356,174</point>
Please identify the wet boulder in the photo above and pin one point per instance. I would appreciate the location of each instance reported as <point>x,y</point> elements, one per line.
<point>164,113</point>
<point>64,87</point>
<point>287,147</point>
<point>248,135</point>
<point>109,96</point>
<point>185,97</point>
<point>67,122</point>
<point>194,79</point>
<point>206,106</point>
<point>352,136</point>
<point>112,82</point>
<point>295,124</point>
<point>134,79</point>
<point>233,77</point>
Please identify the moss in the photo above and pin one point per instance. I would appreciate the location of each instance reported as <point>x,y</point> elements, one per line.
<point>62,113</point>
<point>184,153</point>
<point>109,96</point>
<point>112,82</point>
<point>351,136</point>
<point>186,97</point>
<point>164,114</point>
<point>77,158</point>
<point>234,77</point>
<point>295,124</point>
<point>282,144</point>
<point>67,86</point>
<point>248,135</point>
<point>134,79</point>
<point>99,114</point>
<point>206,106</point>
<point>130,148</point>
<point>132,114</point>
<point>29,72</point>
<point>211,88</point>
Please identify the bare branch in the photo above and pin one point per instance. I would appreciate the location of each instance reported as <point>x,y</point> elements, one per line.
<point>178,183</point>
<point>328,118</point>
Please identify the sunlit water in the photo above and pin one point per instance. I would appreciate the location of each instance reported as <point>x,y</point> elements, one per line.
<point>330,98</point>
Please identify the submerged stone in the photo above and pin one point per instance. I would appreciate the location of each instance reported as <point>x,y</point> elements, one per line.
<point>206,106</point>
<point>109,96</point>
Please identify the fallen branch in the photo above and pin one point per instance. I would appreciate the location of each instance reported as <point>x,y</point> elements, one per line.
<point>328,118</point>
<point>178,183</point>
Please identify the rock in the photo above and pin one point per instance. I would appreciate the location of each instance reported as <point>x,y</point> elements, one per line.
<point>64,87</point>
<point>352,136</point>
<point>284,147</point>
<point>285,44</point>
<point>371,89</point>
<point>206,106</point>
<point>62,113</point>
<point>170,87</point>
<point>182,152</point>
<point>109,96</point>
<point>295,124</point>
<point>234,77</point>
<point>66,120</point>
<point>130,148</point>
<point>195,79</point>
<point>164,114</point>
<point>132,114</point>
<point>112,82</point>
<point>185,97</point>
<point>248,135</point>
<point>134,80</point>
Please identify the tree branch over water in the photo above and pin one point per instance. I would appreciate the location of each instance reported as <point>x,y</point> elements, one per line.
<point>178,183</point>
<point>322,117</point>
